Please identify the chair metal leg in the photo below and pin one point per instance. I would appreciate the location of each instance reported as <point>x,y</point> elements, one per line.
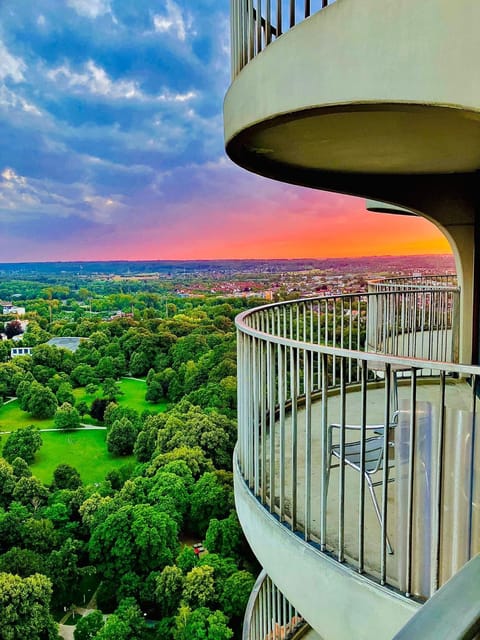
<point>377,509</point>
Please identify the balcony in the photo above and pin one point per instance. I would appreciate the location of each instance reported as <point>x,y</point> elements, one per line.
<point>332,94</point>
<point>270,616</point>
<point>320,377</point>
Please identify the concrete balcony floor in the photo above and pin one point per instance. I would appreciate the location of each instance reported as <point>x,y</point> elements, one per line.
<point>458,401</point>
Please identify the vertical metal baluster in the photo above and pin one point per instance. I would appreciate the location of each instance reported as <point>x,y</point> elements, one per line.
<point>436,547</point>
<point>325,455</point>
<point>307,359</point>
<point>292,13</point>
<point>271,408</point>
<point>268,25</point>
<point>251,31</point>
<point>256,417</point>
<point>233,34</point>
<point>259,26</point>
<point>307,8</point>
<point>279,17</point>
<point>411,482</point>
<point>341,484</point>
<point>269,605</point>
<point>473,445</point>
<point>361,496</point>
<point>350,331</point>
<point>294,435</point>
<point>383,558</point>
<point>281,405</point>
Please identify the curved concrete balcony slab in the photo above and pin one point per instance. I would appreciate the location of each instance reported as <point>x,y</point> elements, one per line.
<point>373,87</point>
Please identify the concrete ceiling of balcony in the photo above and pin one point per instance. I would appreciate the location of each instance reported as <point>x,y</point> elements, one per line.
<point>367,139</point>
<point>377,87</point>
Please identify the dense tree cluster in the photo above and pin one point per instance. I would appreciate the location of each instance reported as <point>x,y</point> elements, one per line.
<point>132,531</point>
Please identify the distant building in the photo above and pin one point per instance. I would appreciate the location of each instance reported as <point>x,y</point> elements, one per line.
<point>20,351</point>
<point>71,343</point>
<point>12,309</point>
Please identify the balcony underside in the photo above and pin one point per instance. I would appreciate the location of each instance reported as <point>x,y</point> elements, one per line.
<point>353,90</point>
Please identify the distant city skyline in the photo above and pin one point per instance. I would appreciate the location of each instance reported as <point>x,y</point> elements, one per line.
<point>112,137</point>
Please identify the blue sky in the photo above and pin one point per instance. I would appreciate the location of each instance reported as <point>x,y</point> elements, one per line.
<point>112,138</point>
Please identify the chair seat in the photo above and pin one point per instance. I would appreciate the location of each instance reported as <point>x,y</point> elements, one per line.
<point>373,453</point>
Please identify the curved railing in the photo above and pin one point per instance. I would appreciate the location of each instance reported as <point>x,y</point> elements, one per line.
<point>424,281</point>
<point>256,24</point>
<point>269,615</point>
<point>415,317</point>
<point>308,386</point>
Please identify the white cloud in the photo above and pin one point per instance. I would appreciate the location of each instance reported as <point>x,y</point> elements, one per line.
<point>167,96</point>
<point>11,100</point>
<point>31,197</point>
<point>10,67</point>
<point>96,80</point>
<point>90,8</point>
<point>172,20</point>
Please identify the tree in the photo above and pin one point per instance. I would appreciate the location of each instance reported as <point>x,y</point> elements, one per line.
<point>88,626</point>
<point>139,363</point>
<point>236,592</point>
<point>83,375</point>
<point>66,477</point>
<point>199,587</point>
<point>111,389</point>
<point>209,499</point>
<point>30,492</point>
<point>97,410</point>
<point>82,408</point>
<point>105,368</point>
<point>23,443</point>
<point>67,417</point>
<point>226,537</point>
<point>25,608</point>
<point>121,437</point>
<point>201,624</point>
<point>136,538</point>
<point>7,483</point>
<point>13,328</point>
<point>168,589</point>
<point>22,562</point>
<point>42,402</point>
<point>65,394</point>
<point>155,391</point>
<point>20,469</point>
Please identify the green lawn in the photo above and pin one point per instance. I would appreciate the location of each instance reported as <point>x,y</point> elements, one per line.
<point>133,396</point>
<point>84,450</point>
<point>13,418</point>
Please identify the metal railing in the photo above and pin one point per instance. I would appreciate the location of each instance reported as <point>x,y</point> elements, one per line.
<point>303,367</point>
<point>425,281</point>
<point>417,317</point>
<point>256,24</point>
<point>269,615</point>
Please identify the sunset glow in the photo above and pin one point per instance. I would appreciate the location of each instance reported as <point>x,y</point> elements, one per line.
<point>113,147</point>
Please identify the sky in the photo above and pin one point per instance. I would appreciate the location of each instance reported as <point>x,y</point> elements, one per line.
<point>112,146</point>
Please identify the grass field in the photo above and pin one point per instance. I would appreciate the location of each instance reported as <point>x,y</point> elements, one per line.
<point>84,450</point>
<point>133,396</point>
<point>13,418</point>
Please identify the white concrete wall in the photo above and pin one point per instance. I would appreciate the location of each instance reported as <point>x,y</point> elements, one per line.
<point>337,602</point>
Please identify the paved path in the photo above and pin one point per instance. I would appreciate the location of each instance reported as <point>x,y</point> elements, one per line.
<point>83,427</point>
<point>132,378</point>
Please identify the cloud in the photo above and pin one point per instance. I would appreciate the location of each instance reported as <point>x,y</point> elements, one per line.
<point>96,81</point>
<point>11,100</point>
<point>90,8</point>
<point>29,198</point>
<point>172,21</point>
<point>10,66</point>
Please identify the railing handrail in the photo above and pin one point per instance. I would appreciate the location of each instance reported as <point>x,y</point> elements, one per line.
<point>401,361</point>
<point>453,612</point>
<point>255,25</point>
